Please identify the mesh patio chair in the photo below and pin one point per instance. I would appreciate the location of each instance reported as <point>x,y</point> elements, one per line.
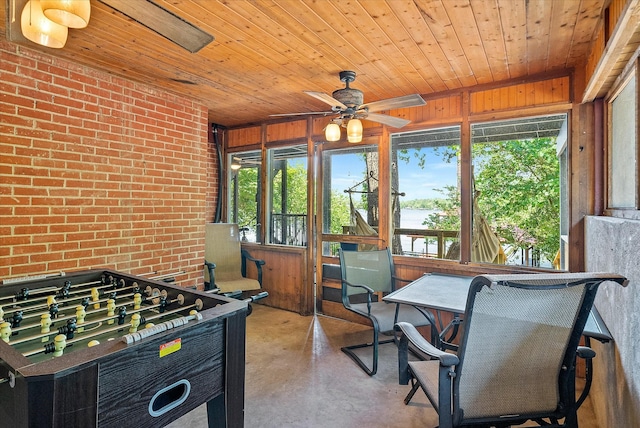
<point>226,262</point>
<point>365,273</point>
<point>517,354</point>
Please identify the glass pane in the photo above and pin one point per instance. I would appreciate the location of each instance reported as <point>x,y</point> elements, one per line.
<point>244,193</point>
<point>516,209</point>
<point>350,192</point>
<point>622,173</point>
<point>425,180</point>
<point>288,195</point>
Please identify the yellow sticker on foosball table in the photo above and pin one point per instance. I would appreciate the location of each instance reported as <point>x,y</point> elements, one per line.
<point>170,347</point>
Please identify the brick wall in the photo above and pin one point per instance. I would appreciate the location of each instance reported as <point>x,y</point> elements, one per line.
<point>98,171</point>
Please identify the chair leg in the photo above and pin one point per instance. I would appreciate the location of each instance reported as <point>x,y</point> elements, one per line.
<point>414,387</point>
<point>374,368</point>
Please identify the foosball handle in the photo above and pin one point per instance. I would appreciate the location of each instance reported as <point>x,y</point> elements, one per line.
<point>258,296</point>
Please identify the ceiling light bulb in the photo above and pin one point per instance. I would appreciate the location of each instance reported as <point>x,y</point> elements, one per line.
<point>354,131</point>
<point>332,132</point>
<point>70,13</point>
<point>235,164</point>
<point>39,29</point>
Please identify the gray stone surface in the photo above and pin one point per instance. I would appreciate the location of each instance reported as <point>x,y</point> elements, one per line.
<point>613,245</point>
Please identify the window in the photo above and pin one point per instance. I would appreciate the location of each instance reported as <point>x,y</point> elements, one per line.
<point>244,193</point>
<point>623,177</point>
<point>516,191</point>
<point>288,195</point>
<point>350,192</point>
<point>425,182</point>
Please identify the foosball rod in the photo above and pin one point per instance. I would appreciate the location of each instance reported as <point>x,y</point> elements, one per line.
<point>86,324</point>
<point>119,327</point>
<point>13,297</point>
<point>167,275</point>
<point>87,296</point>
<point>68,317</point>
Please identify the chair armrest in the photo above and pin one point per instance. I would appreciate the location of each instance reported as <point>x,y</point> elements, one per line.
<point>411,334</point>
<point>259,263</point>
<point>345,297</point>
<point>212,278</point>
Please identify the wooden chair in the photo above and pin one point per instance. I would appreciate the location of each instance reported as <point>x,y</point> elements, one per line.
<point>517,354</point>
<point>226,261</point>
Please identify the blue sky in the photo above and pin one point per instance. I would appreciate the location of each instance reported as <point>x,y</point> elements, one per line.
<point>415,182</point>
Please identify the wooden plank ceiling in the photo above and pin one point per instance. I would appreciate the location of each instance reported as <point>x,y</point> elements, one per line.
<point>266,53</point>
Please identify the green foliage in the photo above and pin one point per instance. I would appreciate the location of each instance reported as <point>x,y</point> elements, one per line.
<point>247,185</point>
<point>518,184</point>
<point>296,198</point>
<point>519,191</point>
<point>447,216</point>
<point>420,204</point>
<point>340,212</point>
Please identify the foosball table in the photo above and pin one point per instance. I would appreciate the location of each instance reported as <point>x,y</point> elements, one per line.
<point>102,348</point>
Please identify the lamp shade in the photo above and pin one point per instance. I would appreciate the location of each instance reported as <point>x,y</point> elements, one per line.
<point>70,13</point>
<point>354,131</point>
<point>332,132</point>
<point>235,164</point>
<point>39,29</point>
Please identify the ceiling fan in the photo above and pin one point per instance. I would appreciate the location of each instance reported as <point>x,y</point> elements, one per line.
<point>348,104</point>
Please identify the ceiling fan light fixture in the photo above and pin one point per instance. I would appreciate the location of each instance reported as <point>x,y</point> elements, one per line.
<point>70,13</point>
<point>332,132</point>
<point>235,164</point>
<point>354,131</point>
<point>39,29</point>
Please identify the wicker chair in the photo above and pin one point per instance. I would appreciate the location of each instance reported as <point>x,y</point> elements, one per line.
<point>226,262</point>
<point>365,273</point>
<point>517,354</point>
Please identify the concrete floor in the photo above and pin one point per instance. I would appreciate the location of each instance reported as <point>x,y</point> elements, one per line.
<point>296,376</point>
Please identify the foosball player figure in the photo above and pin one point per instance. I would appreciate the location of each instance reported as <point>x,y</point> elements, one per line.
<point>16,319</point>
<point>137,301</point>
<point>80,316</point>
<point>53,310</point>
<point>64,290</point>
<point>122,314</point>
<point>135,323</point>
<point>111,310</point>
<point>22,294</point>
<point>45,326</point>
<point>60,342</point>
<point>95,296</point>
<point>5,331</point>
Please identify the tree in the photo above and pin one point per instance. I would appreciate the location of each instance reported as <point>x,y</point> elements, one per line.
<point>519,191</point>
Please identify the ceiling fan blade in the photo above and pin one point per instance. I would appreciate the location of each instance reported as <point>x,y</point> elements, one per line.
<point>327,99</point>
<point>394,122</point>
<point>163,22</point>
<point>324,113</point>
<point>395,103</point>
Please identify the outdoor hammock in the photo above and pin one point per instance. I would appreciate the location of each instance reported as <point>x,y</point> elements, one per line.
<point>485,244</point>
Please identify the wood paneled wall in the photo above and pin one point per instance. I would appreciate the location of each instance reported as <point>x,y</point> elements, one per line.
<point>542,95</point>
<point>284,277</point>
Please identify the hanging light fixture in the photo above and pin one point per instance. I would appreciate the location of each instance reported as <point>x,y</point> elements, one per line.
<point>39,29</point>
<point>235,164</point>
<point>332,131</point>
<point>354,131</point>
<point>70,13</point>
